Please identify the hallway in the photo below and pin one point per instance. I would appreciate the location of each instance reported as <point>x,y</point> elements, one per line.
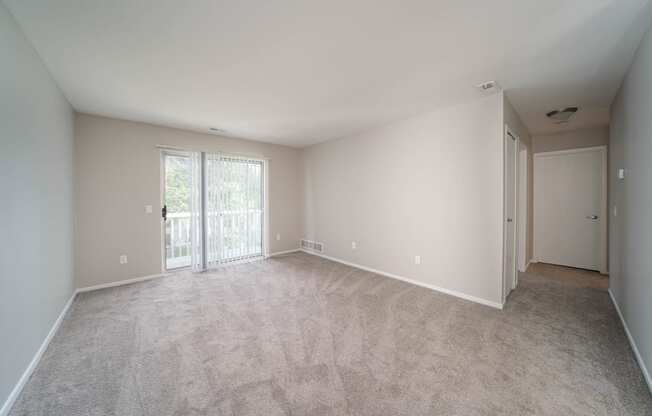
<point>579,278</point>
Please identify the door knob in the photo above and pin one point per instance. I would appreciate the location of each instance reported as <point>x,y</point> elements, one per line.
<point>591,217</point>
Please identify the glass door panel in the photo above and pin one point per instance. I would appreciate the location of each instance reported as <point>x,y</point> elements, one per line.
<point>177,188</point>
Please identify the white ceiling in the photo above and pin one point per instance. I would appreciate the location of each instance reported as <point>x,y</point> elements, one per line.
<point>300,72</point>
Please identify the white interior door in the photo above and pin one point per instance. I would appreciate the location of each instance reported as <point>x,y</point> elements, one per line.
<point>569,208</point>
<point>509,248</point>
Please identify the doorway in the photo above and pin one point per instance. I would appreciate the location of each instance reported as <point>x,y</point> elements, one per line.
<point>570,206</point>
<point>511,143</point>
<point>213,209</point>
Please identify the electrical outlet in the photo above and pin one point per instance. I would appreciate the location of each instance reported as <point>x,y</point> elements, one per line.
<point>278,237</point>
<point>417,260</point>
<point>123,259</point>
<point>354,245</point>
<point>148,209</point>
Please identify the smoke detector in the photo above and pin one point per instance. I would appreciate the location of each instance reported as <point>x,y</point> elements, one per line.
<point>489,87</point>
<point>563,115</point>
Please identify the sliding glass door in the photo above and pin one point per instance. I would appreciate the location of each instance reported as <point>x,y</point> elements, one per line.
<point>234,207</point>
<point>214,209</point>
<point>176,209</point>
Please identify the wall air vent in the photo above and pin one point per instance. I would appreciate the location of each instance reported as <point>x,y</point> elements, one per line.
<point>563,115</point>
<point>488,88</point>
<point>312,246</point>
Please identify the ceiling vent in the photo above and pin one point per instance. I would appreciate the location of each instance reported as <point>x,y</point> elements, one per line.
<point>489,87</point>
<point>215,130</point>
<point>563,115</point>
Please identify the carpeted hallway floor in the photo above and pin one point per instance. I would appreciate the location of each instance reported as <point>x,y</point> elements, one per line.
<point>300,335</point>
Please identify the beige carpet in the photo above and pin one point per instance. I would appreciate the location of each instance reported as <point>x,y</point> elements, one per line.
<point>299,335</point>
<point>572,276</point>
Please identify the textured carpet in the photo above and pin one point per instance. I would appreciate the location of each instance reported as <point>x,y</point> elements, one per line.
<point>300,335</point>
<point>576,277</point>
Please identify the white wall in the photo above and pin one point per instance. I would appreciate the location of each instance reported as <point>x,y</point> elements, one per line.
<point>36,208</point>
<point>118,173</point>
<point>630,234</point>
<point>429,186</point>
<point>597,136</point>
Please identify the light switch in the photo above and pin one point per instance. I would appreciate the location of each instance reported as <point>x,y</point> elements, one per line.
<point>621,173</point>
<point>354,245</point>
<point>278,237</point>
<point>417,260</point>
<point>148,209</point>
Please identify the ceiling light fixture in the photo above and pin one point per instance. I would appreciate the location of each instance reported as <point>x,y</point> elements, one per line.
<point>563,115</point>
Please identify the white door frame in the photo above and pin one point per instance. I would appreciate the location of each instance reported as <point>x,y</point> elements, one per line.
<point>603,204</point>
<point>165,150</point>
<point>523,187</point>
<point>511,285</point>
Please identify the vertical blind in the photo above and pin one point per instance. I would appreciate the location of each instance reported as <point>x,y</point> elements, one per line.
<point>196,217</point>
<point>233,193</point>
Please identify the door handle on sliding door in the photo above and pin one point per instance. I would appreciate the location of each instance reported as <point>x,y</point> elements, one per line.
<point>164,212</point>
<point>591,217</point>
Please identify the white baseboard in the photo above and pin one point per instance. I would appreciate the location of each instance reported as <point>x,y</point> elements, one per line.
<point>457,294</point>
<point>280,253</point>
<point>6,407</point>
<point>121,283</point>
<point>641,363</point>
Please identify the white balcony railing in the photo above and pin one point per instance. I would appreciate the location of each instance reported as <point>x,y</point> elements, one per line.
<point>240,231</point>
<point>177,240</point>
